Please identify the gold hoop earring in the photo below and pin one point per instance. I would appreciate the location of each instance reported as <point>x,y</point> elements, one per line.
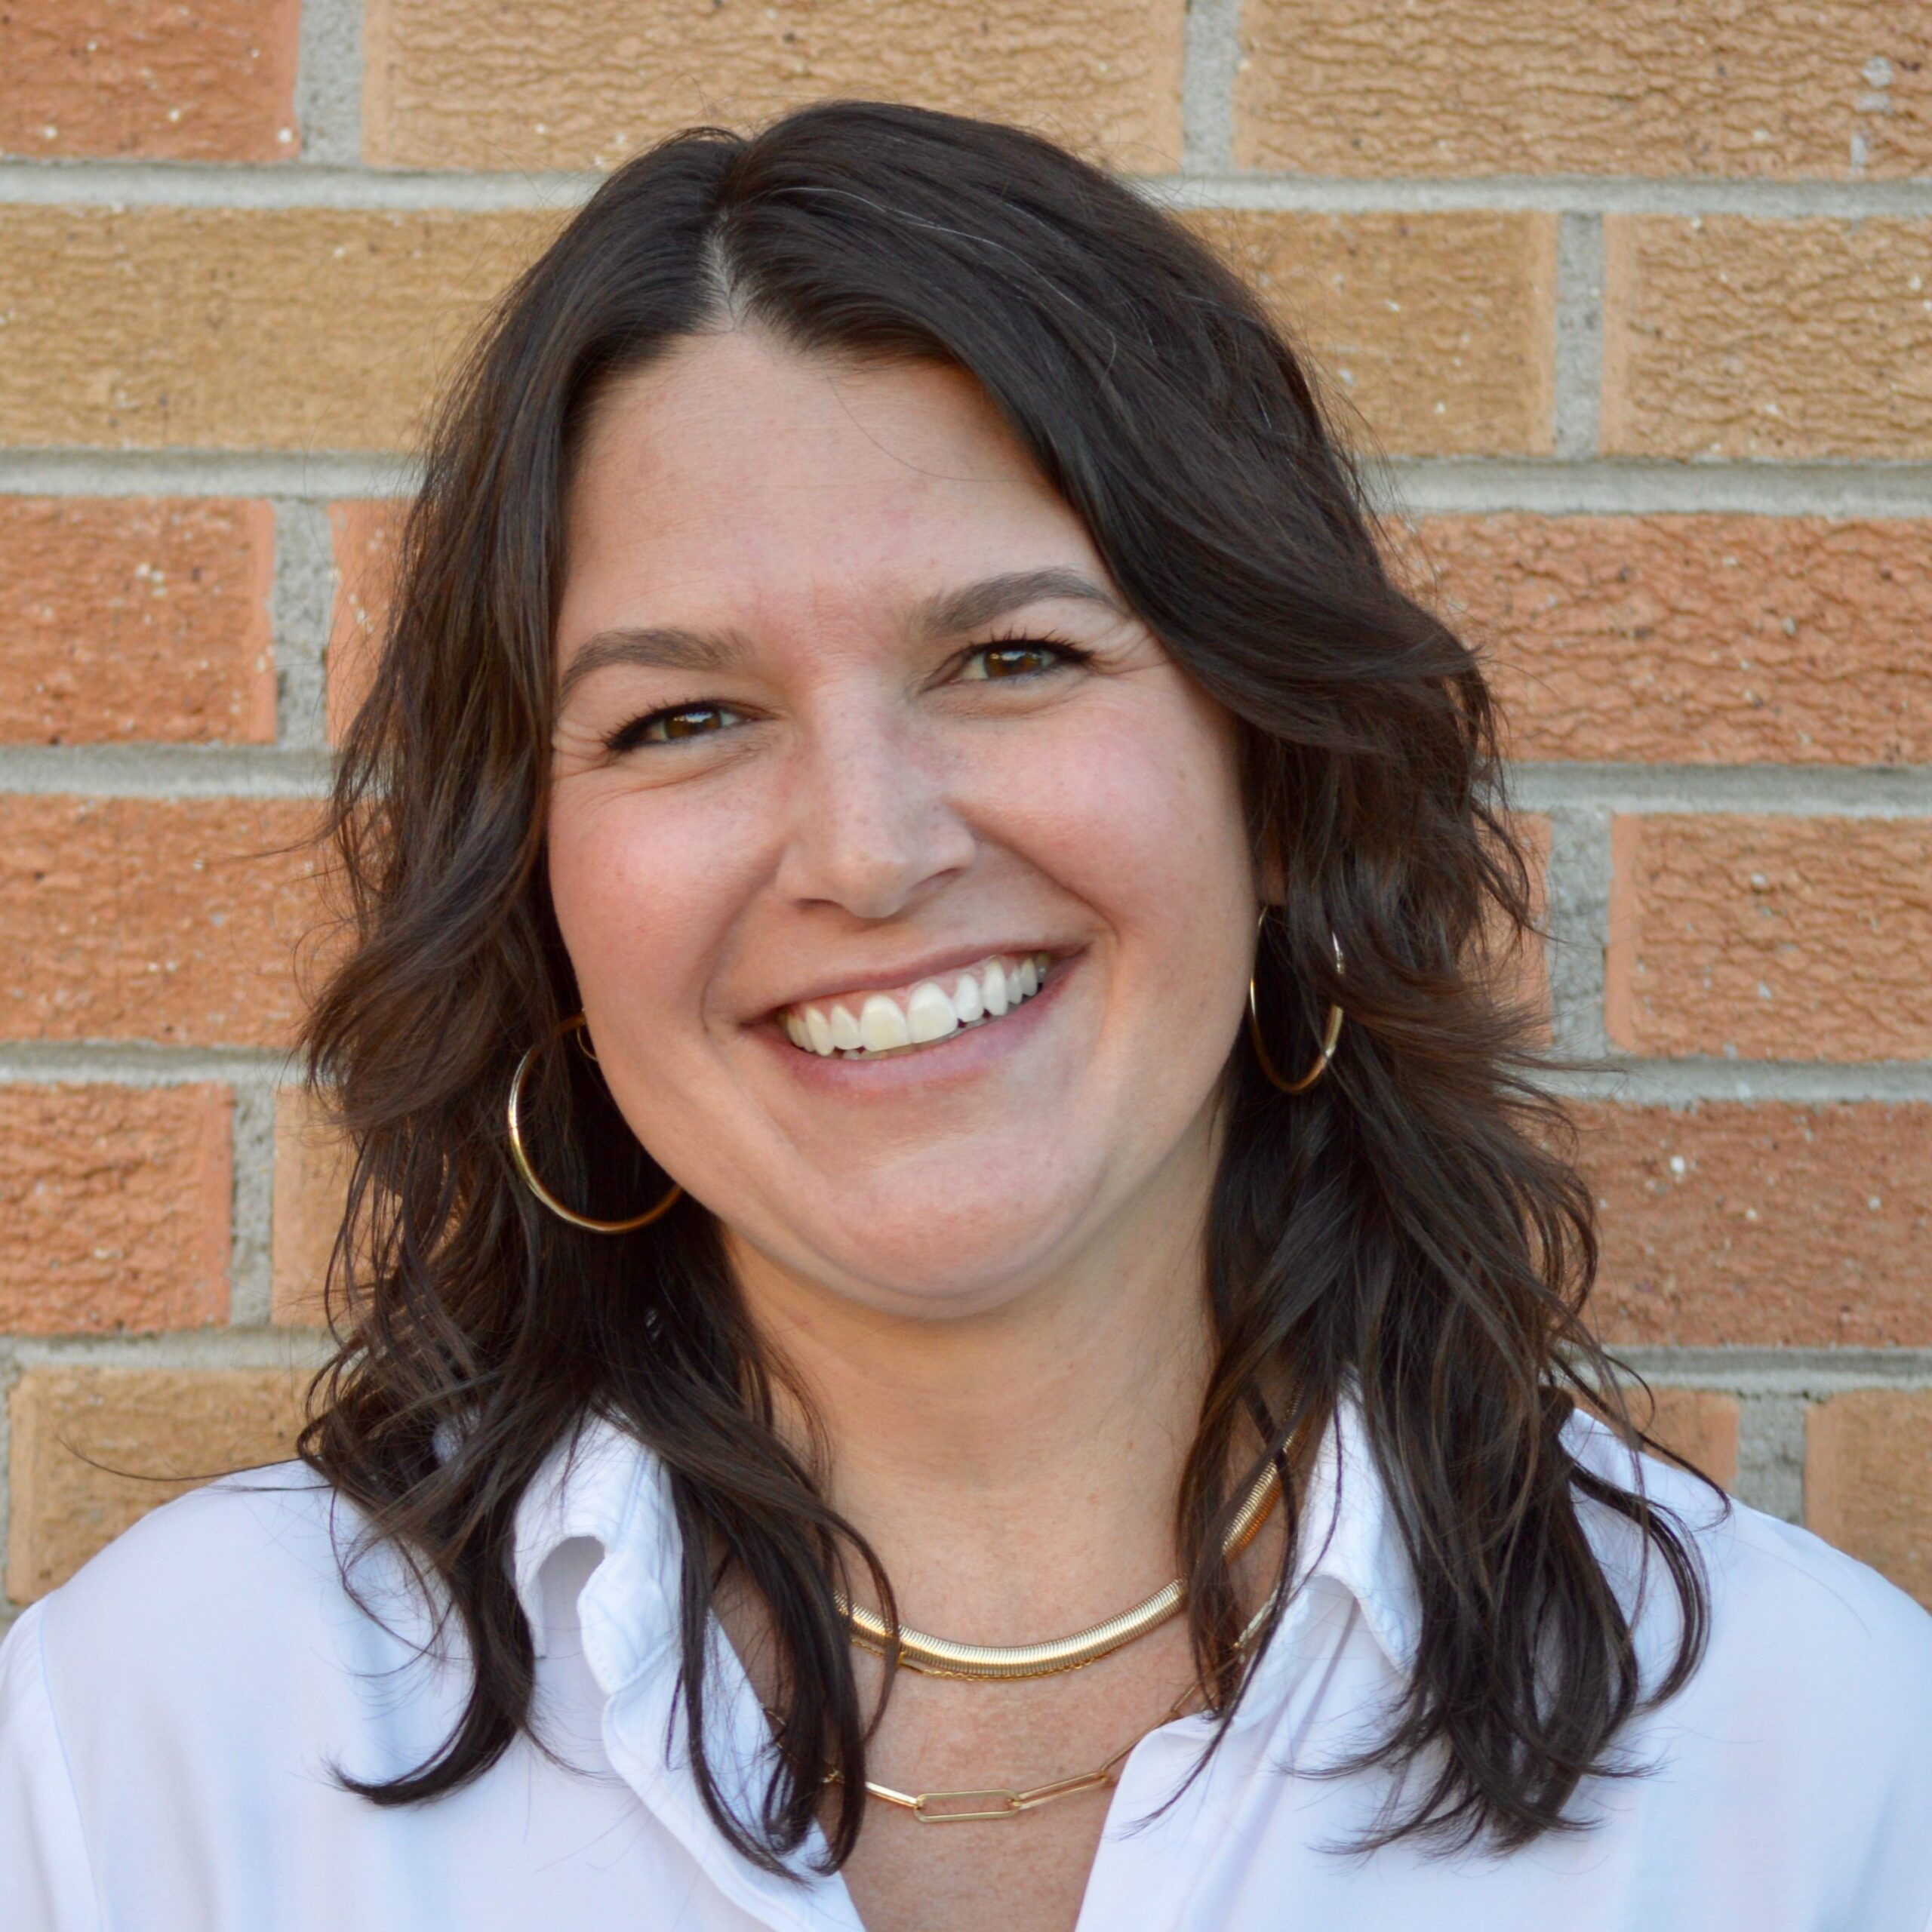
<point>513,1112</point>
<point>1331,1033</point>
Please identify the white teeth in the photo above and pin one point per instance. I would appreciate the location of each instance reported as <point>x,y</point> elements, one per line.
<point>929,1014</point>
<point>995,988</point>
<point>966,1001</point>
<point>882,1025</point>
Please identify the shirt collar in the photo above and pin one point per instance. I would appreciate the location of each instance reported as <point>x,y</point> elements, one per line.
<point>602,1484</point>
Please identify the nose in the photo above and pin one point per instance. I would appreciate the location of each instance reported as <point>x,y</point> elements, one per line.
<point>873,829</point>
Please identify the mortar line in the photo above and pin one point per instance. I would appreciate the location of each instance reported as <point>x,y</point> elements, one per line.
<point>300,768</point>
<point>1577,886</point>
<point>164,771</point>
<point>1770,1455</point>
<point>303,605</point>
<point>1808,1374</point>
<point>326,182</point>
<point>294,475</point>
<point>1578,400</point>
<point>328,84</point>
<point>136,1063</point>
<point>1901,791</point>
<point>250,1289</point>
<point>1403,486</point>
<point>181,1348</point>
<point>1211,56</point>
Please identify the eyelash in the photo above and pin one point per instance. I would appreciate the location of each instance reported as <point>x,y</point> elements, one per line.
<point>638,731</point>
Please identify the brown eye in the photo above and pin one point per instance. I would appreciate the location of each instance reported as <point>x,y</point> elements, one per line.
<point>695,721</point>
<point>1013,660</point>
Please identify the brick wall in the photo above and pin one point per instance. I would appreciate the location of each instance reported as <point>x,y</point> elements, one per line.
<point>1638,301</point>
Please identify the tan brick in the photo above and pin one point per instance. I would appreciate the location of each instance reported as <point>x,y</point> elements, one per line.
<point>160,1432</point>
<point>114,1207</point>
<point>584,83</point>
<point>1868,1481</point>
<point>121,619</point>
<point>234,328</point>
<point>365,536</point>
<point>169,920</point>
<point>1762,1223</point>
<point>1437,329</point>
<point>214,81</point>
<point>1699,640</point>
<point>311,1181</point>
<point>1776,938</point>
<point>1836,89</point>
<point>1701,1425</point>
<point>1726,335</point>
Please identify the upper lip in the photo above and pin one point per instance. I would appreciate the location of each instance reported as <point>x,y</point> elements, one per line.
<point>863,979</point>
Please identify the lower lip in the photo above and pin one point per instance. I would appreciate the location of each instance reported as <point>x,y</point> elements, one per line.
<point>957,1057</point>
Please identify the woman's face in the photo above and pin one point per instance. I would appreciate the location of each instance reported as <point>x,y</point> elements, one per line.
<point>856,741</point>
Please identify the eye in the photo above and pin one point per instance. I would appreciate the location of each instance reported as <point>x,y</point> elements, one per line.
<point>1019,657</point>
<point>674,727</point>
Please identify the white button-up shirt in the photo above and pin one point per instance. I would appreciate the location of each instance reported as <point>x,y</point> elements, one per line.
<point>172,1719</point>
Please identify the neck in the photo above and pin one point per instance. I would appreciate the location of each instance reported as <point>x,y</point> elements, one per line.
<point>1015,1468</point>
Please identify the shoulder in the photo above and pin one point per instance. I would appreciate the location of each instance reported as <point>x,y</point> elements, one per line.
<point>245,1598</point>
<point>1808,1651</point>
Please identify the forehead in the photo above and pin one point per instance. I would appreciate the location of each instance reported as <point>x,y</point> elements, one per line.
<point>735,471</point>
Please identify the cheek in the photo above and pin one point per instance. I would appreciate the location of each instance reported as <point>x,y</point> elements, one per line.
<point>1137,807</point>
<point>637,884</point>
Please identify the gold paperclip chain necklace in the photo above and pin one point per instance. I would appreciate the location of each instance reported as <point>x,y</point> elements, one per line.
<point>991,1804</point>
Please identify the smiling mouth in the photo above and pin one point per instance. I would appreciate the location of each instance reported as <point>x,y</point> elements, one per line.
<point>870,1025</point>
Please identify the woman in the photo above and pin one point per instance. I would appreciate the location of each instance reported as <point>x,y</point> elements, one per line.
<point>948,1227</point>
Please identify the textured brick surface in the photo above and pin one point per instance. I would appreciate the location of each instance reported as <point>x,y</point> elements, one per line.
<point>583,83</point>
<point>1566,87</point>
<point>311,1175</point>
<point>1868,1481</point>
<point>180,1425</point>
<point>1700,1424</point>
<point>365,536</point>
<point>1763,1223</point>
<point>128,620</point>
<point>174,80</point>
<point>1699,639</point>
<point>1726,335</point>
<point>286,328</point>
<point>114,1207</point>
<point>174,920</point>
<point>1774,937</point>
<point>1437,328</point>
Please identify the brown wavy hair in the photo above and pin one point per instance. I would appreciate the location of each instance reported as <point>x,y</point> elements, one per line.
<point>1409,1230</point>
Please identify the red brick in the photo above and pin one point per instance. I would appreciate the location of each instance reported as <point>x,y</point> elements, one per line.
<point>1762,1223</point>
<point>1733,336</point>
<point>1771,938</point>
<point>311,1182</point>
<point>164,80</point>
<point>366,536</point>
<point>169,920</point>
<point>1868,1481</point>
<point>114,1207</point>
<point>1699,639</point>
<point>126,619</point>
<point>95,1449</point>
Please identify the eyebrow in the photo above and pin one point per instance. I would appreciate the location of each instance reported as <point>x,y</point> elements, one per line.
<point>949,614</point>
